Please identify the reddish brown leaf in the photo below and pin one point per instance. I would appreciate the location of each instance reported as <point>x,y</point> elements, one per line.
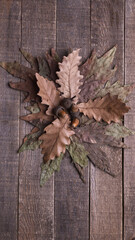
<point>52,60</point>
<point>39,119</point>
<point>107,108</point>
<point>25,73</point>
<point>56,137</point>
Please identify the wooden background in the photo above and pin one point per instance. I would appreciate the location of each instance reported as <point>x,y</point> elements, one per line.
<point>65,209</point>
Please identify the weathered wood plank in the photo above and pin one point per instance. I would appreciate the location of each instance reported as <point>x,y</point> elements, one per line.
<point>10,29</point>
<point>129,154</point>
<point>107,29</point>
<point>71,195</point>
<point>36,205</point>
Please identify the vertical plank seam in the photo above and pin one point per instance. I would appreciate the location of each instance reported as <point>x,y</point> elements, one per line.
<point>54,172</point>
<point>89,173</point>
<point>124,9</point>
<point>18,210</point>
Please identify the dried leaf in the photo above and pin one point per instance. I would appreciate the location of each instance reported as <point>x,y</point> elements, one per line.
<point>99,157</point>
<point>80,170</point>
<point>48,92</point>
<point>25,73</point>
<point>78,153</point>
<point>38,116</point>
<point>116,89</point>
<point>31,141</point>
<point>118,131</point>
<point>69,76</point>
<point>44,70</point>
<point>56,137</point>
<point>107,108</point>
<point>47,169</point>
<point>96,71</point>
<point>32,60</point>
<point>95,133</point>
<point>53,60</point>
<point>104,160</point>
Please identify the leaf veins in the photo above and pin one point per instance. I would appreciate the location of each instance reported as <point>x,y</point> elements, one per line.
<point>56,137</point>
<point>69,76</point>
<point>107,108</point>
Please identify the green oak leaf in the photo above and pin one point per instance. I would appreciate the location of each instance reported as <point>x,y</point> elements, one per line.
<point>78,153</point>
<point>116,89</point>
<point>31,142</point>
<point>118,131</point>
<point>47,169</point>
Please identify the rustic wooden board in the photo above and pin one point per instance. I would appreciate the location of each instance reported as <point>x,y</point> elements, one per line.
<point>71,195</point>
<point>107,29</point>
<point>36,205</point>
<point>10,28</point>
<point>129,156</point>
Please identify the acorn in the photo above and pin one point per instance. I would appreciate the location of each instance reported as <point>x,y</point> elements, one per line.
<point>75,122</point>
<point>60,111</point>
<point>67,103</point>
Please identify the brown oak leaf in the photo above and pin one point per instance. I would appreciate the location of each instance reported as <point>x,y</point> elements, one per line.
<point>56,137</point>
<point>48,92</point>
<point>52,60</point>
<point>96,71</point>
<point>39,118</point>
<point>69,76</point>
<point>109,108</point>
<point>29,84</point>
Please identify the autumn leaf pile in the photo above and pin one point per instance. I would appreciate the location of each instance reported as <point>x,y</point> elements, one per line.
<point>73,107</point>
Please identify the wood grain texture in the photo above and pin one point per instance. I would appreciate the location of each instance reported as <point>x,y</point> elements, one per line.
<point>36,204</point>
<point>129,154</point>
<point>107,29</point>
<point>10,29</point>
<point>71,195</point>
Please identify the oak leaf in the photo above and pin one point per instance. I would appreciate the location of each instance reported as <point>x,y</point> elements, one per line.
<point>29,84</point>
<point>48,92</point>
<point>96,71</point>
<point>47,169</point>
<point>107,108</point>
<point>118,131</point>
<point>69,76</point>
<point>116,88</point>
<point>56,137</point>
<point>38,116</point>
<point>52,60</point>
<point>95,133</point>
